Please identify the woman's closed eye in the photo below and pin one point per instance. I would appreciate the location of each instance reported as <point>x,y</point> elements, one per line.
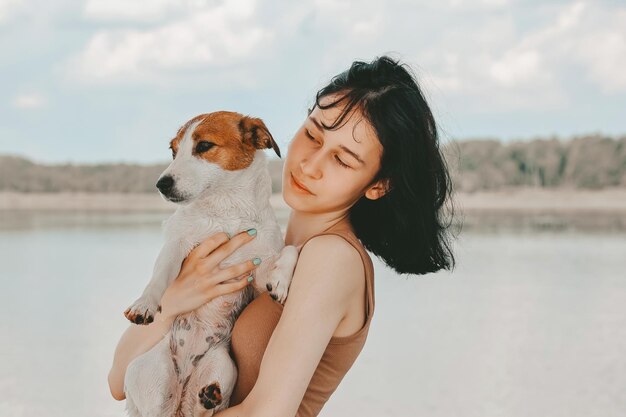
<point>306,131</point>
<point>336,158</point>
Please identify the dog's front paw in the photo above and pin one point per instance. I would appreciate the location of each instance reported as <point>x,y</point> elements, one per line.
<point>281,274</point>
<point>278,290</point>
<point>142,311</point>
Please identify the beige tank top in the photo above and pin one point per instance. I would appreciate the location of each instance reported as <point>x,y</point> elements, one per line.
<point>254,327</point>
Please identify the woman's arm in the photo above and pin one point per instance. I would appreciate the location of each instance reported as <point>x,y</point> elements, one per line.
<point>326,275</point>
<point>135,341</point>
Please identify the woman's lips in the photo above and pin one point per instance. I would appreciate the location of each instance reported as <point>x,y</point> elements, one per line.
<point>299,186</point>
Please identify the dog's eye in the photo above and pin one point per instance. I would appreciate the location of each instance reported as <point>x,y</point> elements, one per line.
<point>204,146</point>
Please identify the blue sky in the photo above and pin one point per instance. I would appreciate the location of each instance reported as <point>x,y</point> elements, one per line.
<point>112,80</point>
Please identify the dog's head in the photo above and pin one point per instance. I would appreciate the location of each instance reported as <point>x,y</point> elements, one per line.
<point>209,149</point>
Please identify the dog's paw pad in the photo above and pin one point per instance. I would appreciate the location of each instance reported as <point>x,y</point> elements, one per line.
<point>139,318</point>
<point>141,312</point>
<point>210,395</point>
<point>278,292</point>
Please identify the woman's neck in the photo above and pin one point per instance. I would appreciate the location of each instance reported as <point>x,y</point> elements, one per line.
<point>301,225</point>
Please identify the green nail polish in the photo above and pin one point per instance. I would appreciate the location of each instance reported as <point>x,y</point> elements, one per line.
<point>256,261</point>
<point>251,232</point>
<point>250,278</point>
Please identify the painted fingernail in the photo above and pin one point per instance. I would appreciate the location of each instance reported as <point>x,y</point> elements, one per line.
<point>251,232</point>
<point>256,261</point>
<point>250,278</point>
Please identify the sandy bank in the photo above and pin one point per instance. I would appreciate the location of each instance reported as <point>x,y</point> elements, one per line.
<point>531,200</point>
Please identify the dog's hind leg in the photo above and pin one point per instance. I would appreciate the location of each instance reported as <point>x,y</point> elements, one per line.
<point>214,379</point>
<point>131,408</point>
<point>150,382</point>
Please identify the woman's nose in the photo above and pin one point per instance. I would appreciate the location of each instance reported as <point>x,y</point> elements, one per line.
<point>310,166</point>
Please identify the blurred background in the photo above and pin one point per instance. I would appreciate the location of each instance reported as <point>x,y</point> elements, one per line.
<point>529,97</point>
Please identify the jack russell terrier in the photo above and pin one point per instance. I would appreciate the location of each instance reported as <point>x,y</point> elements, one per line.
<point>220,180</point>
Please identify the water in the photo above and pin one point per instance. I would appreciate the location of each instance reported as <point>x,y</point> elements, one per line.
<point>530,324</point>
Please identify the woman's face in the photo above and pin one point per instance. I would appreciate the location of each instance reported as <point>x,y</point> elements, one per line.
<point>336,166</point>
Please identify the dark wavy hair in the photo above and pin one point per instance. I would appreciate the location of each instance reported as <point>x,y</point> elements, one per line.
<point>406,227</point>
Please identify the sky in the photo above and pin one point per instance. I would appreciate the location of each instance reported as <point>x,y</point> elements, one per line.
<point>113,80</point>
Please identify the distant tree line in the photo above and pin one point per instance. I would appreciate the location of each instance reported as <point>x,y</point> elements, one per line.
<point>20,174</point>
<point>588,162</point>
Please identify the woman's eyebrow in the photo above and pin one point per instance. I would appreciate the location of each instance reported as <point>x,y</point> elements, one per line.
<point>354,154</point>
<point>317,124</point>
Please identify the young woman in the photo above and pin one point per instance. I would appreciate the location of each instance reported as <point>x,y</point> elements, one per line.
<point>364,171</point>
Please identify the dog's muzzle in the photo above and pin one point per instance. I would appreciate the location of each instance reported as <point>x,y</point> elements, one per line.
<point>165,184</point>
<point>166,187</point>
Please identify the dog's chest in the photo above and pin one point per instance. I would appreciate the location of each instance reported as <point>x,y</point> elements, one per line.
<point>193,228</point>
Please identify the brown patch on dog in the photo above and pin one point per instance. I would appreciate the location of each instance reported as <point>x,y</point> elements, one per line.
<point>173,345</point>
<point>235,138</point>
<point>176,368</point>
<point>183,324</point>
<point>179,410</point>
<point>256,133</point>
<point>197,358</point>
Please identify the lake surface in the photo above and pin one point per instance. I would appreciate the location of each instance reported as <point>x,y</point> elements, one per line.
<point>529,324</point>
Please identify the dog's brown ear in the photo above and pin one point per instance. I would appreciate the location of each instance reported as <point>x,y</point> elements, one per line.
<point>254,131</point>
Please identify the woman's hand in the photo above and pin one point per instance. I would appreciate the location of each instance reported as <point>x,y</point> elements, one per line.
<point>201,279</point>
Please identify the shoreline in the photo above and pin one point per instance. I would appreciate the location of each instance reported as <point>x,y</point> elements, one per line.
<point>513,209</point>
<point>517,200</point>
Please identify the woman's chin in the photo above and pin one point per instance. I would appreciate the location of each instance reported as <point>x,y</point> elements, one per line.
<point>288,198</point>
<point>284,196</point>
<point>294,201</point>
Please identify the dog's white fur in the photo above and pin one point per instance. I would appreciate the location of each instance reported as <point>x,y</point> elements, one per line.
<point>167,380</point>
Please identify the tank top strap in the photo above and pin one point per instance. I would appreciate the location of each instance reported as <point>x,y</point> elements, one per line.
<point>336,229</point>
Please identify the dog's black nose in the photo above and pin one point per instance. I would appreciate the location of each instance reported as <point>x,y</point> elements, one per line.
<point>165,184</point>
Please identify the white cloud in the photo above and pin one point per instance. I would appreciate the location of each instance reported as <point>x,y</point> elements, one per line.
<point>512,70</point>
<point>29,101</point>
<point>472,4</point>
<point>590,36</point>
<point>493,67</point>
<point>493,55</point>
<point>140,10</point>
<point>7,7</point>
<point>603,52</point>
<point>516,67</point>
<point>372,27</point>
<point>209,37</point>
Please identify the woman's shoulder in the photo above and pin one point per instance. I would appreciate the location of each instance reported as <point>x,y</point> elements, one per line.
<point>347,270</point>
<point>337,253</point>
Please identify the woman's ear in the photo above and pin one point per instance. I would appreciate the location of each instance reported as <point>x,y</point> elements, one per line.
<point>378,189</point>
